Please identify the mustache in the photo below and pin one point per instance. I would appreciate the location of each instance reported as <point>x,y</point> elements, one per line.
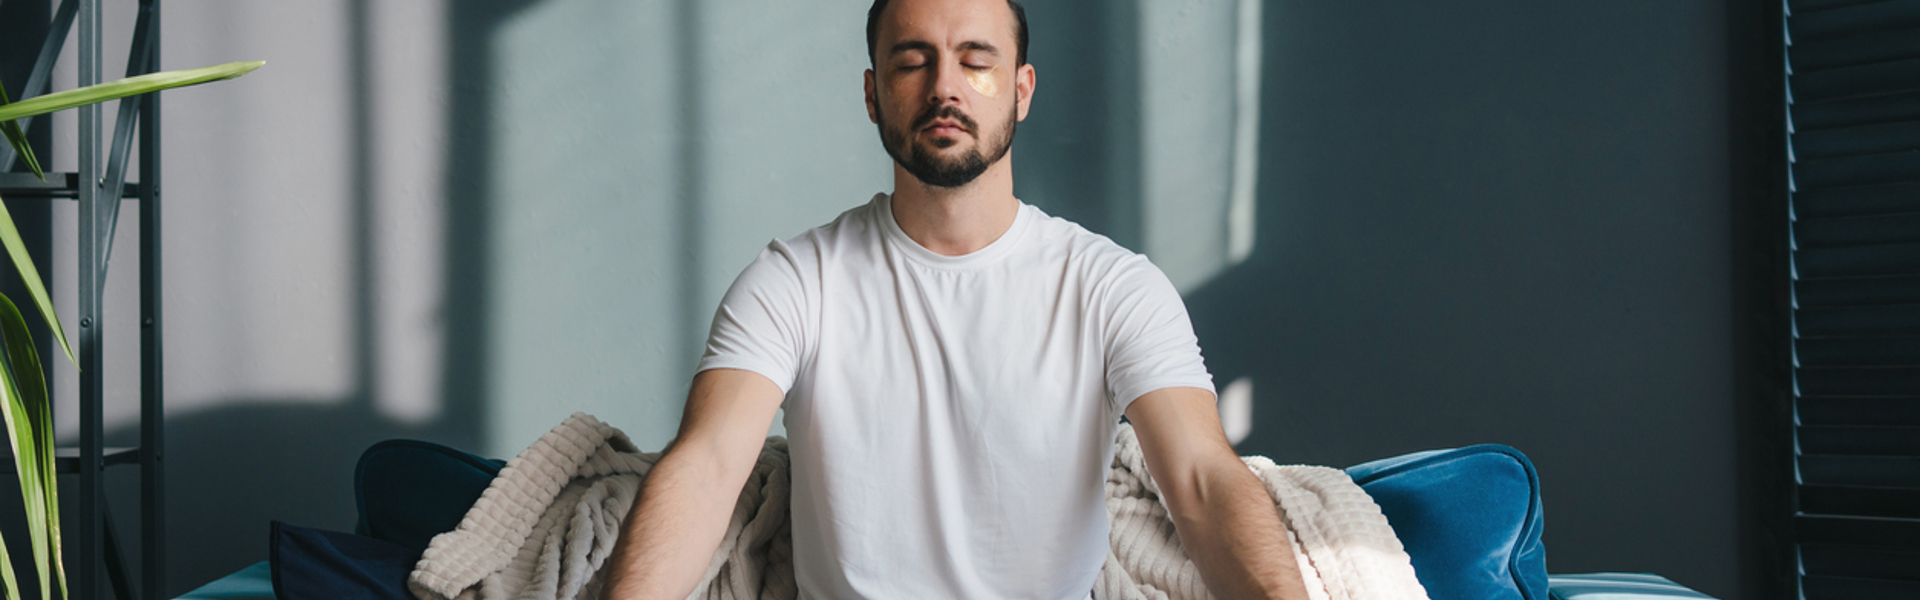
<point>948,111</point>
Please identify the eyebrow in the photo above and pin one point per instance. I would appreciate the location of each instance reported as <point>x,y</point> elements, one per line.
<point>911,45</point>
<point>979,47</point>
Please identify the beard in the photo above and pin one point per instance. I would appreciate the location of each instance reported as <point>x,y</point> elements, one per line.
<point>942,171</point>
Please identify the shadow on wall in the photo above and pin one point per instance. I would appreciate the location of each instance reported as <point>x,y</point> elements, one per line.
<point>235,467</point>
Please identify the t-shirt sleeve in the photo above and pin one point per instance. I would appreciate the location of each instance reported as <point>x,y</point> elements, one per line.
<point>1149,338</point>
<point>761,324</point>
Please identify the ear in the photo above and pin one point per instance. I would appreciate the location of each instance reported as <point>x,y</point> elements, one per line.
<point>873,102</point>
<point>1023,84</point>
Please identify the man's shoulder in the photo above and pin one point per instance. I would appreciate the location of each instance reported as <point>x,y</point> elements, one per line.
<point>1083,246</point>
<point>851,226</point>
<point>797,262</point>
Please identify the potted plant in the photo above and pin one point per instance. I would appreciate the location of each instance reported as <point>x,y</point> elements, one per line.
<point>27,411</point>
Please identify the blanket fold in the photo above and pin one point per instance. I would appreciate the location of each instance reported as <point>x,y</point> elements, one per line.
<point>545,526</point>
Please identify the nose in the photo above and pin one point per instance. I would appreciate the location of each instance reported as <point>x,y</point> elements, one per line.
<point>948,82</point>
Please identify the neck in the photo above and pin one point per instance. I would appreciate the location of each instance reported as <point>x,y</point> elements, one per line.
<point>956,221</point>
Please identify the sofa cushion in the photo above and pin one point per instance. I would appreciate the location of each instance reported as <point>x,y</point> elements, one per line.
<point>315,564</point>
<point>409,491</point>
<point>252,583</point>
<point>1470,518</point>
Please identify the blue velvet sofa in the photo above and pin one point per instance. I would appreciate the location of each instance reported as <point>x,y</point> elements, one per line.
<point>1470,518</point>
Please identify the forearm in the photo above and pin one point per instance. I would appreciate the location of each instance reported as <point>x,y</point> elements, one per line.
<point>1232,530</point>
<point>669,537</point>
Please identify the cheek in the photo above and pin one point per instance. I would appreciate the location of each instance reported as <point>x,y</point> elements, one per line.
<point>987,82</point>
<point>902,85</point>
<point>897,99</point>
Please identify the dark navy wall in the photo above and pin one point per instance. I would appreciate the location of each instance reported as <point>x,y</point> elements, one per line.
<point>1495,221</point>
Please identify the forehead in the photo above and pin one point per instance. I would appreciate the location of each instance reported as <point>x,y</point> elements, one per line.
<point>946,23</point>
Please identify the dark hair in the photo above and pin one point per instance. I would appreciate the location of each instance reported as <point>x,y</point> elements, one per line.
<point>1019,30</point>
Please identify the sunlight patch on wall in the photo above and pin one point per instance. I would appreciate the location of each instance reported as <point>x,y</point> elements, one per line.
<point>409,207</point>
<point>1246,132</point>
<point>1236,409</point>
<point>1200,88</point>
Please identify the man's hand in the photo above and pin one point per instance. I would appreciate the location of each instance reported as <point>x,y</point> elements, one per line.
<point>1225,519</point>
<point>681,512</point>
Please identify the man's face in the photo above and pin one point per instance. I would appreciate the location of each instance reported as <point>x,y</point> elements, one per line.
<point>945,90</point>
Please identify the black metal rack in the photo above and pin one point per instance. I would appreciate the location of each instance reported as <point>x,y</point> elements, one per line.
<point>90,542</point>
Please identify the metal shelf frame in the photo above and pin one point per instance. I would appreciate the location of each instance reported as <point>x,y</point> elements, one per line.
<point>100,187</point>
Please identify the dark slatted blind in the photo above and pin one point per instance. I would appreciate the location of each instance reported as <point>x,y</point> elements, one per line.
<point>1853,81</point>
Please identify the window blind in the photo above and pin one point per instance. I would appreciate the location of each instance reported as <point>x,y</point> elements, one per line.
<point>1853,123</point>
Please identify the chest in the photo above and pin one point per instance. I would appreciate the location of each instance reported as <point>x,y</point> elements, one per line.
<point>1005,352</point>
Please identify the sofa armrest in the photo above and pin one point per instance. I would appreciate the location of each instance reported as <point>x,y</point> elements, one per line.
<point>1619,586</point>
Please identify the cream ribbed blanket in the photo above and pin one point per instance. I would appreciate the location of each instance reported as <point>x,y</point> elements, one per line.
<point>544,527</point>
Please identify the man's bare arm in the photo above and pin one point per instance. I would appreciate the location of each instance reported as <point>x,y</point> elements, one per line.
<point>681,512</point>
<point>1225,519</point>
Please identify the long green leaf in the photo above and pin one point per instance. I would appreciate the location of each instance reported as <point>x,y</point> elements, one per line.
<point>28,448</point>
<point>21,148</point>
<point>121,88</point>
<point>17,249</point>
<point>30,382</point>
<point>6,572</point>
<point>18,139</point>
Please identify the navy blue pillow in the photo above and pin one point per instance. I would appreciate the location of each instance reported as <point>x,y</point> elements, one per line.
<point>1470,518</point>
<point>330,565</point>
<point>409,491</point>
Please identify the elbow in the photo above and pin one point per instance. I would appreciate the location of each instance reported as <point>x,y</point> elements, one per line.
<point>1184,494</point>
<point>1191,494</point>
<point>701,468</point>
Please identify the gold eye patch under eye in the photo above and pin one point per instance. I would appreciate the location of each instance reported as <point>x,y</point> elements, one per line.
<point>986,82</point>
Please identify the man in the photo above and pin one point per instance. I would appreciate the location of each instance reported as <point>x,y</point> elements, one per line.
<point>953,364</point>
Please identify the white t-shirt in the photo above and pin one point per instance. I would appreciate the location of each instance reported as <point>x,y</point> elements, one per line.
<point>951,418</point>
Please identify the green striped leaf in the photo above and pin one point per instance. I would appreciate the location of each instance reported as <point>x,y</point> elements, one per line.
<point>17,250</point>
<point>18,139</point>
<point>26,398</point>
<point>6,572</point>
<point>121,88</point>
<point>29,380</point>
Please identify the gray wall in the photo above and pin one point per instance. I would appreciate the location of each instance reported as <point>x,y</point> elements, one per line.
<point>1483,221</point>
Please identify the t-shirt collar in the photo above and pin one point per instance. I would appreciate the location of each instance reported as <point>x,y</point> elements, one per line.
<point>992,251</point>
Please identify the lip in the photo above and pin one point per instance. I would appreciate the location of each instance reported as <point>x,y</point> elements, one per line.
<point>945,128</point>
<point>948,130</point>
